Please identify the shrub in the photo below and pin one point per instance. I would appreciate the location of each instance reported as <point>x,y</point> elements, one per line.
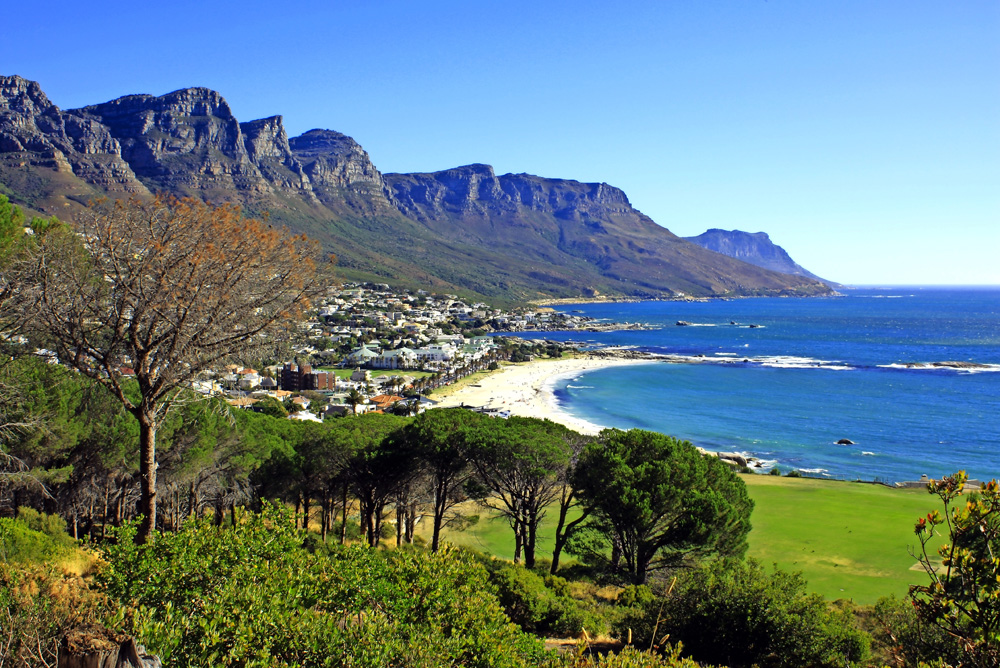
<point>541,604</point>
<point>20,542</point>
<point>735,613</point>
<point>38,605</point>
<point>630,657</point>
<point>774,471</point>
<point>793,474</point>
<point>251,596</point>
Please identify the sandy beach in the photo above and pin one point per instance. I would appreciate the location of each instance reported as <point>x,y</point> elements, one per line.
<point>526,389</point>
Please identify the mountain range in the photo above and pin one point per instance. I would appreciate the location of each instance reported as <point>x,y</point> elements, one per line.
<point>511,237</point>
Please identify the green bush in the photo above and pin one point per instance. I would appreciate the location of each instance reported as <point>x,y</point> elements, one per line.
<point>250,596</point>
<point>541,604</point>
<point>774,471</point>
<point>34,538</point>
<point>737,614</point>
<point>793,474</point>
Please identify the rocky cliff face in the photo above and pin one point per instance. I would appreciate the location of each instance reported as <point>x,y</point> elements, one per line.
<point>34,133</point>
<point>754,248</point>
<point>187,141</point>
<point>339,169</point>
<point>515,235</point>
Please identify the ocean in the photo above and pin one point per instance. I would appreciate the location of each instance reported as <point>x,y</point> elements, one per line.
<point>784,379</point>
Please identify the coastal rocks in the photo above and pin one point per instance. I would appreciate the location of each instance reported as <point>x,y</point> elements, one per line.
<point>736,460</point>
<point>683,323</point>
<point>961,365</point>
<point>845,441</point>
<point>732,458</point>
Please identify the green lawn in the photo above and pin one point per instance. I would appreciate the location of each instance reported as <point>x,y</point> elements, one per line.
<point>345,374</point>
<point>849,540</point>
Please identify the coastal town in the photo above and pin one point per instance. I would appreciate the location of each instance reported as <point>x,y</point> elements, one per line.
<point>368,347</point>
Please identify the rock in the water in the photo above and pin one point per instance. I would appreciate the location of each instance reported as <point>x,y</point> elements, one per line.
<point>845,441</point>
<point>733,457</point>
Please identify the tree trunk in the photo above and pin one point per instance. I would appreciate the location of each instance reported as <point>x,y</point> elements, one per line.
<point>192,501</point>
<point>324,516</point>
<point>439,503</point>
<point>147,474</point>
<point>518,542</point>
<point>305,512</point>
<point>530,529</point>
<point>343,522</point>
<point>411,520</point>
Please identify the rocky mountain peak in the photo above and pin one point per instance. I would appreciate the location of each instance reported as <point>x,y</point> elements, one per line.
<point>515,235</point>
<point>22,96</point>
<point>35,132</point>
<point>266,138</point>
<point>334,160</point>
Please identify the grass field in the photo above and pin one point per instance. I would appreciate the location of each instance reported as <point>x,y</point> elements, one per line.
<point>345,374</point>
<point>849,540</point>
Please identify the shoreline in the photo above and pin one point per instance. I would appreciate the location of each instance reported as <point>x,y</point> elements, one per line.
<point>526,389</point>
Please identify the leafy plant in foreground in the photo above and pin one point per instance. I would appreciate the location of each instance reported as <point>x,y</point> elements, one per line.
<point>963,596</point>
<point>250,596</point>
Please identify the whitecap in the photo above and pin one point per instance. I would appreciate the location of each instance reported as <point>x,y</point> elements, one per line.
<point>866,453</point>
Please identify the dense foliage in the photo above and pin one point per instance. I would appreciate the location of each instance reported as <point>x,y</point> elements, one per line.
<point>658,502</point>
<point>962,598</point>
<point>250,596</point>
<point>738,614</point>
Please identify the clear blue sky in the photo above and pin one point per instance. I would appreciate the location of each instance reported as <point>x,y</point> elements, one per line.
<point>863,136</point>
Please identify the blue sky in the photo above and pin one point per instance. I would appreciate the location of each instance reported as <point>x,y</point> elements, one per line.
<point>863,136</point>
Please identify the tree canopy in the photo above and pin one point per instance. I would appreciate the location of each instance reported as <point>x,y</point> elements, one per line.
<point>660,501</point>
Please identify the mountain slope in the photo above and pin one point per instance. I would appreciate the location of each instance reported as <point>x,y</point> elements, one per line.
<point>512,237</point>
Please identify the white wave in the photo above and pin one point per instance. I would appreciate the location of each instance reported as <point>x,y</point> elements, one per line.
<point>727,354</point>
<point>820,471</point>
<point>579,387</point>
<point>939,366</point>
<point>866,453</point>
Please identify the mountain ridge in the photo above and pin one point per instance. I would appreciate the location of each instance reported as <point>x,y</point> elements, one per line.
<point>510,237</point>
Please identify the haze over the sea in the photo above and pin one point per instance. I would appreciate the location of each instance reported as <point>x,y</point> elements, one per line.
<point>863,137</point>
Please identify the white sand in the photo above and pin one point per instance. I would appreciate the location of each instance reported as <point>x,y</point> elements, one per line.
<point>526,389</point>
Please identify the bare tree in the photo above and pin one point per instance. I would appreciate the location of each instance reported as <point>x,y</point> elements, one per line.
<point>163,291</point>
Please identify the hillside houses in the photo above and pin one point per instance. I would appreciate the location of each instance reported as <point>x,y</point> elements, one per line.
<point>377,331</point>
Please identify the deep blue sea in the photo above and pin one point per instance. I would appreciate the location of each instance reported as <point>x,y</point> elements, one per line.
<point>814,371</point>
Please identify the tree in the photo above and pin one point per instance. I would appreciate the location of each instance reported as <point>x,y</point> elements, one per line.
<point>518,460</point>
<point>569,499</point>
<point>440,439</point>
<point>963,596</point>
<point>379,466</point>
<point>355,399</point>
<point>165,290</point>
<point>658,502</point>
